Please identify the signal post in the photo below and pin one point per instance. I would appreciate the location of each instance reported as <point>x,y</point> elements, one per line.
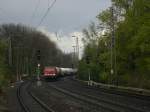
<point>39,83</point>
<point>87,59</point>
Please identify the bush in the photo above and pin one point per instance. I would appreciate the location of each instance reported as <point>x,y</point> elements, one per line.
<point>103,77</point>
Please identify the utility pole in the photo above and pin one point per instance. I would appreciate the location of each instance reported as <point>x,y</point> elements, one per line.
<point>17,66</point>
<point>111,63</point>
<point>113,47</point>
<point>60,64</point>
<point>27,65</point>
<point>77,47</point>
<point>18,63</point>
<point>10,52</point>
<point>74,52</point>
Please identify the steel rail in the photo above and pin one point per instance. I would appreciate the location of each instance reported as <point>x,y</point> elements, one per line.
<point>123,106</point>
<point>22,104</point>
<point>130,107</point>
<point>89,101</point>
<point>36,99</point>
<point>98,101</point>
<point>40,102</point>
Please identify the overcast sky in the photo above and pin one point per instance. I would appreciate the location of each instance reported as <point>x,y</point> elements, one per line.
<point>66,17</point>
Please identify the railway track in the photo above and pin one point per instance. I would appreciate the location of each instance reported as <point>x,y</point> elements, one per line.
<point>107,104</point>
<point>77,92</point>
<point>101,102</point>
<point>115,92</point>
<point>25,107</point>
<point>84,99</point>
<point>20,99</point>
<point>135,106</point>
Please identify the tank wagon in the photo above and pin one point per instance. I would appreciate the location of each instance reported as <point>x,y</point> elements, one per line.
<point>67,71</point>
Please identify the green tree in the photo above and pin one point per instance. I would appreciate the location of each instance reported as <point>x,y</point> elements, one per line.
<point>25,42</point>
<point>4,69</point>
<point>131,25</point>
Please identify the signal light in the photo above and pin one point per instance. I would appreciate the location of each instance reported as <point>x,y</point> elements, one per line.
<point>38,55</point>
<point>87,58</point>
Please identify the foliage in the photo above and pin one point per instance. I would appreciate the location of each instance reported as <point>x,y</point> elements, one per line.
<point>22,44</point>
<point>4,71</point>
<point>132,45</point>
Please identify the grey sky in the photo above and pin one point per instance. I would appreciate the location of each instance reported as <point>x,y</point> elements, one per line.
<point>66,15</point>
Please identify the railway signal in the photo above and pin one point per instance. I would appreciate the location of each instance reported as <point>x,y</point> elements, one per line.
<point>38,68</point>
<point>38,54</point>
<point>87,59</point>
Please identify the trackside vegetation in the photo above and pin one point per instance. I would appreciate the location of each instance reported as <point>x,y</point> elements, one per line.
<point>131,20</point>
<point>18,52</point>
<point>4,69</point>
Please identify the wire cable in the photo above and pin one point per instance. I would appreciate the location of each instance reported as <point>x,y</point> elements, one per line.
<point>46,13</point>
<point>35,10</point>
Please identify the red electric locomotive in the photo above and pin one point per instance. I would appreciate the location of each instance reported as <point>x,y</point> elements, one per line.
<point>51,72</point>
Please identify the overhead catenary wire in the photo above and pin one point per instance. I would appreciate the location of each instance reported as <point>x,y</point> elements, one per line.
<point>35,10</point>
<point>49,8</point>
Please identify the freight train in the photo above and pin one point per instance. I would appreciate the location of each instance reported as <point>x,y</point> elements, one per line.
<point>54,72</point>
